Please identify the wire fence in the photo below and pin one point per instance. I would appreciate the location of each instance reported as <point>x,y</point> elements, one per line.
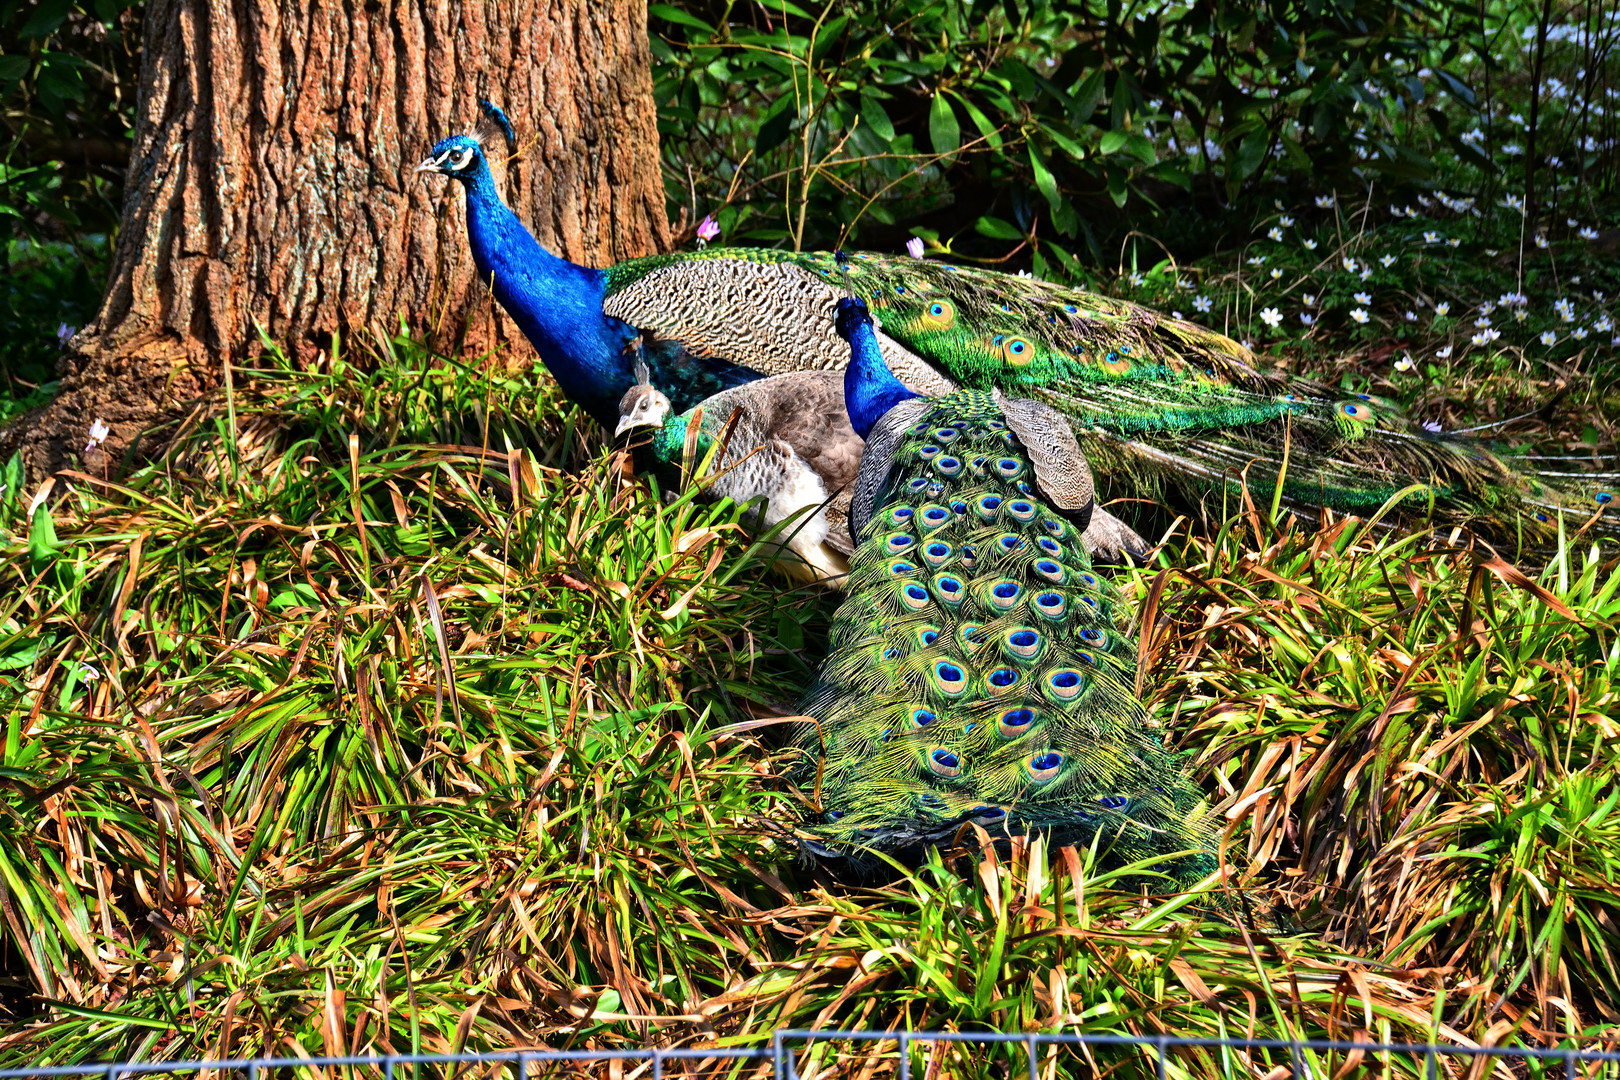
<point>795,1054</point>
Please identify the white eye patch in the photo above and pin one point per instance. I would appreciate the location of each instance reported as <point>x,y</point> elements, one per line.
<point>462,157</point>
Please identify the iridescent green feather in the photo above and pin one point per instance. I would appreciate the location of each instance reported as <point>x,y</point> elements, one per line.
<point>980,671</point>
<point>1157,403</point>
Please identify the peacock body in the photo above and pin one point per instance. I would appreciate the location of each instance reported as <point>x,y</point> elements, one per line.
<point>979,670</point>
<point>1157,403</point>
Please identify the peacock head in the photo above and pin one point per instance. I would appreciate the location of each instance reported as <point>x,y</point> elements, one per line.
<point>460,156</point>
<point>641,406</point>
<point>850,314</point>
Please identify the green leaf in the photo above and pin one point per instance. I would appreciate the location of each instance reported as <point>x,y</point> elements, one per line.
<point>1087,98</point>
<point>42,543</point>
<point>1112,142</point>
<point>1139,146</point>
<point>1043,176</point>
<point>991,136</point>
<point>680,17</point>
<point>773,132</point>
<point>1251,152</point>
<point>943,129</point>
<point>874,116</point>
<point>996,229</point>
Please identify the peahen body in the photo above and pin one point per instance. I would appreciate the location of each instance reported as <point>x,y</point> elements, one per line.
<point>786,439</point>
<point>1155,402</point>
<point>979,672</point>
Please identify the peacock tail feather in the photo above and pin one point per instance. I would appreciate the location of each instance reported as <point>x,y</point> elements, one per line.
<point>1159,405</point>
<point>980,672</point>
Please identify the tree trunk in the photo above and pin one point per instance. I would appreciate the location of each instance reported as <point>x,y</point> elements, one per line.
<point>271,184</point>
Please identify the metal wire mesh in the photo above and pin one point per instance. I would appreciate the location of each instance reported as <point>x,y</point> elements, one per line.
<point>805,1054</point>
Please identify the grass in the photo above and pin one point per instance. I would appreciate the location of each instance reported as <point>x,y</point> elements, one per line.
<point>389,712</point>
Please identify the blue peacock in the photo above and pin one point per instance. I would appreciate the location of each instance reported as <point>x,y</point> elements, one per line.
<point>1156,403</point>
<point>979,671</point>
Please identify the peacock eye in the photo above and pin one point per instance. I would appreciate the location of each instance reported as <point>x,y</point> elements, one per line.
<point>463,157</point>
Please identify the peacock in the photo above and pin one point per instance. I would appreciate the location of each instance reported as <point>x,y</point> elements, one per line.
<point>787,439</point>
<point>1158,404</point>
<point>979,671</point>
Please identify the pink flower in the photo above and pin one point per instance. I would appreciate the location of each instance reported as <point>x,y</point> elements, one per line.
<point>914,247</point>
<point>708,229</point>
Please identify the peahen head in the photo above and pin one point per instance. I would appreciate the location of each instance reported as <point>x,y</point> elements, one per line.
<point>642,406</point>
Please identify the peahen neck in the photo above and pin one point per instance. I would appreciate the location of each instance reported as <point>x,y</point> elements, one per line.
<point>870,388</point>
<point>556,303</point>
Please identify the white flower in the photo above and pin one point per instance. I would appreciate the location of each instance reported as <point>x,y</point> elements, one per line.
<point>1202,303</point>
<point>1441,309</point>
<point>1275,273</point>
<point>1271,317</point>
<point>1285,221</point>
<point>1588,233</point>
<point>1579,333</point>
<point>1405,363</point>
<point>1386,261</point>
<point>1549,338</point>
<point>1431,237</point>
<point>1603,325</point>
<point>1483,320</point>
<point>1486,308</point>
<point>1136,280</point>
<point>1565,309</point>
<point>1183,283</point>
<point>98,434</point>
<point>915,248</point>
<point>1026,274</point>
<point>1360,315</point>
<point>1492,252</point>
<point>1178,316</point>
<point>1433,425</point>
<point>1307,318</point>
<point>1324,202</point>
<point>1409,316</point>
<point>1519,314</point>
<point>1349,265</point>
<point>1454,242</point>
<point>1597,295</point>
<point>1443,353</point>
<point>1542,242</point>
<point>1366,272</point>
<point>1485,337</point>
<point>88,673</point>
<point>1256,260</point>
<point>1309,299</point>
<point>1247,344</point>
<point>1274,233</point>
<point>1364,299</point>
<point>1310,245</point>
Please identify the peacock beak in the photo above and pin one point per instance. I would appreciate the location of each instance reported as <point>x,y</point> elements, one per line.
<point>625,424</point>
<point>430,165</point>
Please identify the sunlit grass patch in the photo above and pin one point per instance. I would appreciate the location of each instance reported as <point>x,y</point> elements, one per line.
<point>389,712</point>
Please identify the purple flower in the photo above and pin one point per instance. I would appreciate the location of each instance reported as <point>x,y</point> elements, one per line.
<point>708,229</point>
<point>914,247</point>
<point>1430,425</point>
<point>64,334</point>
<point>98,434</point>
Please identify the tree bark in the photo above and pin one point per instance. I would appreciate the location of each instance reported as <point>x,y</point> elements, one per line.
<point>270,184</point>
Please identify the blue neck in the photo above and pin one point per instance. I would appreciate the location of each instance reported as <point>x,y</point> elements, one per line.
<point>557,304</point>
<point>870,388</point>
